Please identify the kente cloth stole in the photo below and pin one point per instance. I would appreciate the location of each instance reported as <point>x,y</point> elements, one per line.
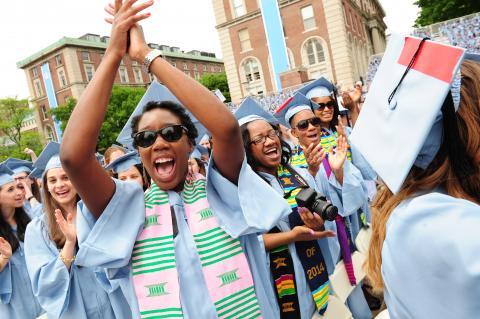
<point>328,141</point>
<point>224,264</point>
<point>308,252</point>
<point>283,273</point>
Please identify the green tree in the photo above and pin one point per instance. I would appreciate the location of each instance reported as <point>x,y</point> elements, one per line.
<point>123,101</point>
<point>433,11</point>
<point>215,81</point>
<point>13,113</point>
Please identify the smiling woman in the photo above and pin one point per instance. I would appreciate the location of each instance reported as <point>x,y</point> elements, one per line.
<point>184,237</point>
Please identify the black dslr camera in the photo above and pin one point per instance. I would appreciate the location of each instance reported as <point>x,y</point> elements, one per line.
<point>309,198</point>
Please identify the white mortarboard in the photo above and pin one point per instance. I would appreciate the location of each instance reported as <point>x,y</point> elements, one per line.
<point>398,121</point>
<point>124,162</point>
<point>155,92</point>
<point>318,88</point>
<point>19,166</point>
<point>49,158</point>
<point>6,174</point>
<point>249,111</point>
<point>204,137</point>
<point>292,106</point>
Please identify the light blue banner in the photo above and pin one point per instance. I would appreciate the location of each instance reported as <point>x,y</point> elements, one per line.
<point>272,22</point>
<point>52,99</point>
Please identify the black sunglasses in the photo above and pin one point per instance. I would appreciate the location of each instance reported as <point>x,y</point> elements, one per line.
<point>171,133</point>
<point>303,124</point>
<point>329,104</point>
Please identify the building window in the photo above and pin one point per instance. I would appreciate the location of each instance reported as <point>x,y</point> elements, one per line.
<point>238,8</point>
<point>65,98</point>
<point>244,37</point>
<point>123,75</point>
<point>185,66</point>
<point>308,18</point>
<point>174,64</point>
<point>204,67</point>
<point>195,67</point>
<point>151,77</point>
<point>38,88</point>
<point>197,75</point>
<point>314,50</point>
<point>50,135</point>
<point>89,72</point>
<point>138,75</point>
<point>62,78</point>
<point>43,108</point>
<point>58,60</point>
<point>252,70</point>
<point>86,56</point>
<point>35,72</point>
<point>187,73</point>
<point>212,68</point>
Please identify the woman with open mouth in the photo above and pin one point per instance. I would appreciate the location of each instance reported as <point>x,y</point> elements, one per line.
<point>187,247</point>
<point>16,295</point>
<point>63,288</point>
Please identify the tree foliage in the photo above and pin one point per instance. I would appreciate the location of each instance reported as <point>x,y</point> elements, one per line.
<point>122,104</point>
<point>215,81</point>
<point>433,11</point>
<point>13,114</point>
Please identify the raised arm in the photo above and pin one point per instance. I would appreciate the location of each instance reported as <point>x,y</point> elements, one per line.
<point>228,149</point>
<point>77,152</point>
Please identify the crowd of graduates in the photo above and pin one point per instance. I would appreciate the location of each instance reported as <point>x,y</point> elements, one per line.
<point>198,212</point>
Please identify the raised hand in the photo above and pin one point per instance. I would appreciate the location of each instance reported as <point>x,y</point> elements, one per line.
<point>27,187</point>
<point>347,101</point>
<point>5,249</point>
<point>303,233</point>
<point>337,158</point>
<point>66,226</point>
<point>314,156</point>
<point>124,15</point>
<point>311,220</point>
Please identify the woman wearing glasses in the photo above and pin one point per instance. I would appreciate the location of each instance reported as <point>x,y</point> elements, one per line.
<point>175,251</point>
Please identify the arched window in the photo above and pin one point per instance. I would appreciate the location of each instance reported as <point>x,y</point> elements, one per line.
<point>252,76</point>
<point>252,70</point>
<point>314,50</point>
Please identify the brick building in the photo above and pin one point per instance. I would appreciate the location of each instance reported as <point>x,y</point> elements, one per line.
<point>63,70</point>
<point>323,37</point>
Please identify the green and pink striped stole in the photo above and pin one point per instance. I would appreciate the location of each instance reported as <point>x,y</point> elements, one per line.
<point>224,264</point>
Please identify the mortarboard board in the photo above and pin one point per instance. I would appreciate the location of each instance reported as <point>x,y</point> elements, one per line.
<point>400,119</point>
<point>319,88</point>
<point>100,158</point>
<point>202,132</point>
<point>196,154</point>
<point>19,166</point>
<point>249,110</point>
<point>49,158</point>
<point>124,162</point>
<point>36,173</point>
<point>155,92</point>
<point>292,106</point>
<point>202,149</point>
<point>6,174</point>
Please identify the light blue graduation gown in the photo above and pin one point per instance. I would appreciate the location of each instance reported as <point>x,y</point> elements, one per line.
<point>16,297</point>
<point>430,259</point>
<point>66,294</point>
<point>108,241</point>
<point>305,299</point>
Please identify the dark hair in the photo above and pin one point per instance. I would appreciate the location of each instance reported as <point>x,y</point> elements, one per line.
<point>173,107</point>
<point>336,112</point>
<point>201,166</point>
<point>286,150</point>
<point>143,173</point>
<point>22,220</point>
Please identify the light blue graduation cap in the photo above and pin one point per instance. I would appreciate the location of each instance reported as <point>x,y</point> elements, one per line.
<point>292,106</point>
<point>318,88</point>
<point>155,92</point>
<point>49,158</point>
<point>100,158</point>
<point>202,132</point>
<point>6,174</point>
<point>198,151</point>
<point>19,166</point>
<point>249,110</point>
<point>36,173</point>
<point>124,162</point>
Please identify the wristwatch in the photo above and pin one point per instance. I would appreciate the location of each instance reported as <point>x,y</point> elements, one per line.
<point>152,55</point>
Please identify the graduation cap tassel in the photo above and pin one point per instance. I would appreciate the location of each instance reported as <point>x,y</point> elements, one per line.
<point>457,152</point>
<point>412,61</point>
